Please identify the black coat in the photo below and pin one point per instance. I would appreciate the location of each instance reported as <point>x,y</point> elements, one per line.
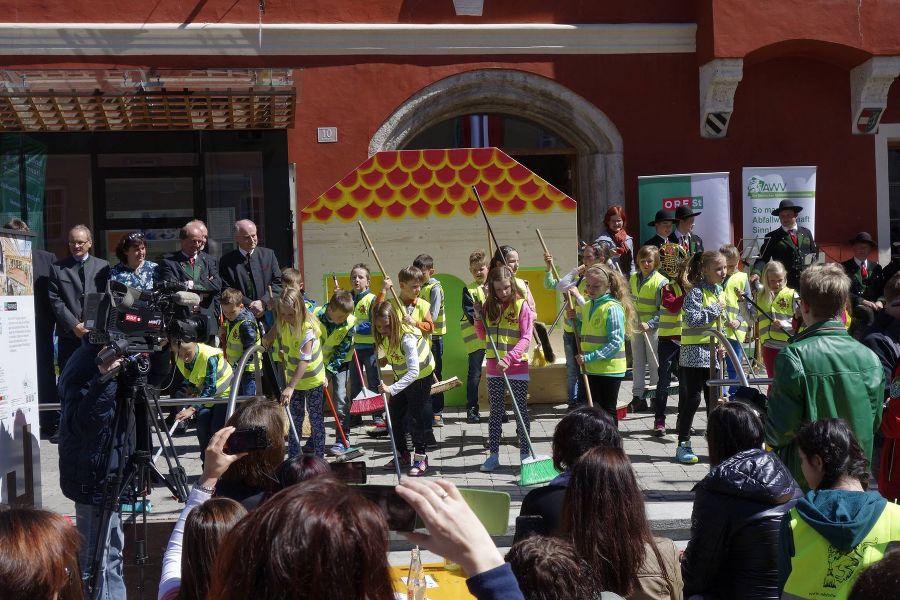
<point>67,294</point>
<point>779,246</point>
<point>658,241</point>
<point>735,525</point>
<point>207,284</point>
<point>236,271</point>
<point>869,288</point>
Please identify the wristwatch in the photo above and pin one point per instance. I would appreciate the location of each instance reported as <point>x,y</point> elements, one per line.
<point>211,491</point>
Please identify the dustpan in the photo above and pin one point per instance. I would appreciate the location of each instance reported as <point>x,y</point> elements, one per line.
<point>366,402</point>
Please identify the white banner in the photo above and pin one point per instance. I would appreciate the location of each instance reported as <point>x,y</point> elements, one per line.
<point>705,193</point>
<point>764,188</point>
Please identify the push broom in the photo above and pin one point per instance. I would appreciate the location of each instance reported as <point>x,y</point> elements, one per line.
<point>349,453</point>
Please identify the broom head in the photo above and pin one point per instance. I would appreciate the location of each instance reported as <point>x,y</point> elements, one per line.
<point>544,340</point>
<point>538,359</point>
<point>446,385</point>
<point>537,470</point>
<point>367,402</point>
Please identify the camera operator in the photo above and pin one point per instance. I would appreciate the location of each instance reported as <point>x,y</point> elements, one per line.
<point>89,408</point>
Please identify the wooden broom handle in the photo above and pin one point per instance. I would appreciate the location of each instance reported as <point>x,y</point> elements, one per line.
<point>371,247</point>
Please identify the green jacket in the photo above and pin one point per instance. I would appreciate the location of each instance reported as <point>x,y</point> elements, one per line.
<point>824,373</point>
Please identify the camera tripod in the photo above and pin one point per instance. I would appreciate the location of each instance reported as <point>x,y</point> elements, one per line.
<point>135,471</point>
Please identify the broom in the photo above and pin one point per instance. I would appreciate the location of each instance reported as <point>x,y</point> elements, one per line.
<point>366,402</point>
<point>349,453</point>
<point>539,357</point>
<point>571,306</point>
<point>535,469</point>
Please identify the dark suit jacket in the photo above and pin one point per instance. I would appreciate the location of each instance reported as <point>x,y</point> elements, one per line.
<point>205,274</point>
<point>42,263</point>
<point>779,246</point>
<point>861,289</point>
<point>658,241</point>
<point>67,294</point>
<point>236,272</point>
<point>696,243</point>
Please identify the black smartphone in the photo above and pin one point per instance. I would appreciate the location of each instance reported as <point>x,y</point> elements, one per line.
<point>350,472</point>
<point>400,516</point>
<point>247,440</point>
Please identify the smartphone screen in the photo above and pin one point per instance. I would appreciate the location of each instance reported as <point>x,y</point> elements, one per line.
<point>247,440</point>
<point>350,472</point>
<point>400,516</point>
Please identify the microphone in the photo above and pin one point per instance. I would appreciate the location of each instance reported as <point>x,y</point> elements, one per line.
<point>186,299</point>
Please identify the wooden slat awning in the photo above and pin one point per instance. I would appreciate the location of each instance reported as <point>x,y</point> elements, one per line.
<point>133,101</point>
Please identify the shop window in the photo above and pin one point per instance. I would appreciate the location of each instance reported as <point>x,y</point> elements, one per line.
<point>234,190</point>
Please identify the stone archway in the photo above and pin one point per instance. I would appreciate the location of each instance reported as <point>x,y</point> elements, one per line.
<point>599,167</point>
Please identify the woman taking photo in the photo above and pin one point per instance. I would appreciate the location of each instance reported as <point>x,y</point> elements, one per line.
<point>738,507</point>
<point>603,515</point>
<point>839,528</point>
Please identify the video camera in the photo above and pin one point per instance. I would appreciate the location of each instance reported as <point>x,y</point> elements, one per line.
<point>128,321</point>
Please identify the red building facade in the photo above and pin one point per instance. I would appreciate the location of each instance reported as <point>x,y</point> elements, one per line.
<point>626,89</point>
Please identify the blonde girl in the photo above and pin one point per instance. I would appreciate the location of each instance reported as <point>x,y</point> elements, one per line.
<point>408,353</point>
<point>703,306</point>
<point>778,301</point>
<point>297,333</point>
<point>508,318</point>
<point>605,319</point>
<point>646,286</point>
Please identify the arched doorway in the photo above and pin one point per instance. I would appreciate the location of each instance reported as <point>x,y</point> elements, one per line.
<point>598,174</point>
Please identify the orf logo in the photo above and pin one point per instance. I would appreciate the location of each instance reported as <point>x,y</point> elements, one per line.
<point>689,201</point>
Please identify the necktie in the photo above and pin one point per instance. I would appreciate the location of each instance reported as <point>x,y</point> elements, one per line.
<point>191,260</point>
<point>687,243</point>
<point>794,237</point>
<point>81,273</point>
<point>864,270</point>
<point>252,288</point>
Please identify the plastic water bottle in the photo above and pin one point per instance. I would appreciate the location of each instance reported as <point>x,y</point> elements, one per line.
<point>415,582</point>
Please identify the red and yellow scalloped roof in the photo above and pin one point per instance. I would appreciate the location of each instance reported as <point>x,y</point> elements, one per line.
<point>419,183</point>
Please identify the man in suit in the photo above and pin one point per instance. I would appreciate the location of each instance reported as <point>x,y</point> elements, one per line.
<point>252,269</point>
<point>684,230</point>
<point>41,265</point>
<point>70,280</point>
<point>866,283</point>
<point>664,223</point>
<point>789,244</point>
<point>199,273</point>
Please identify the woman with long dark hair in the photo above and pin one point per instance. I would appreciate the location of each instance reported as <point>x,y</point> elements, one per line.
<point>604,516</point>
<point>738,507</point>
<point>839,528</point>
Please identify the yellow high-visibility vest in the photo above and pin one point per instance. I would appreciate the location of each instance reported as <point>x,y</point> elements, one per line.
<point>440,323</point>
<point>470,338</point>
<point>670,324</point>
<point>594,335</point>
<point>333,340</point>
<point>695,335</point>
<point>734,287</point>
<point>645,294</point>
<point>292,342</point>
<point>234,347</point>
<point>197,375</point>
<point>397,359</point>
<point>781,307</point>
<point>505,331</point>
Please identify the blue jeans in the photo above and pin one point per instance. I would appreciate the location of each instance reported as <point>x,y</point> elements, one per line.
<point>573,375</point>
<point>248,384</point>
<point>437,350</point>
<point>87,521</point>
<point>209,421</point>
<point>368,360</point>
<point>729,368</point>
<point>473,379</point>
<point>341,401</point>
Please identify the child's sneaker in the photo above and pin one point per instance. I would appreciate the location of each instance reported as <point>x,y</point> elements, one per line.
<point>492,462</point>
<point>337,449</point>
<point>377,429</point>
<point>473,417</point>
<point>404,462</point>
<point>419,465</point>
<point>659,426</point>
<point>437,421</point>
<point>685,455</point>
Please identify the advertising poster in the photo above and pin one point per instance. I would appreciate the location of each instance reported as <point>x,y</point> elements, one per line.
<point>19,448</point>
<point>764,188</point>
<point>706,193</point>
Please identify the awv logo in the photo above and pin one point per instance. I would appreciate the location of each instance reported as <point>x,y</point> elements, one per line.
<point>757,185</point>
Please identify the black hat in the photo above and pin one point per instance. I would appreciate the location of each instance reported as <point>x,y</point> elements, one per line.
<point>663,215</point>
<point>784,205</point>
<point>685,212</point>
<point>863,237</point>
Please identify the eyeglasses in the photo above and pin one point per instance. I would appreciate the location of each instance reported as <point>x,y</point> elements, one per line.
<point>78,242</point>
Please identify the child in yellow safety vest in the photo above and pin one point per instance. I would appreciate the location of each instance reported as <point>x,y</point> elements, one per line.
<point>508,319</point>
<point>407,352</point>
<point>364,339</point>
<point>839,529</point>
<point>646,286</point>
<point>704,306</point>
<point>433,293</point>
<point>472,296</point>
<point>205,368</point>
<point>297,332</point>
<point>336,337</point>
<point>239,331</point>
<point>778,304</point>
<point>509,257</point>
<point>604,321</point>
<point>738,315</point>
<point>674,267</point>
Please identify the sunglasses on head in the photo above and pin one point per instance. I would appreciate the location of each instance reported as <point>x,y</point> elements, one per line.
<point>135,236</point>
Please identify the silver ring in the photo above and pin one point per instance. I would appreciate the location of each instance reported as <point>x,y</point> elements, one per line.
<point>444,496</point>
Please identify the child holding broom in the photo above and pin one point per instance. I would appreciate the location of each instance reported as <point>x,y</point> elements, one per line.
<point>297,332</point>
<point>646,291</point>
<point>603,324</point>
<point>704,306</point>
<point>472,296</point>
<point>508,318</point>
<point>409,397</point>
<point>336,339</point>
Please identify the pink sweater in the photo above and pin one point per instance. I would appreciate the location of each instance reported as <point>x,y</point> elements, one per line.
<point>514,358</point>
